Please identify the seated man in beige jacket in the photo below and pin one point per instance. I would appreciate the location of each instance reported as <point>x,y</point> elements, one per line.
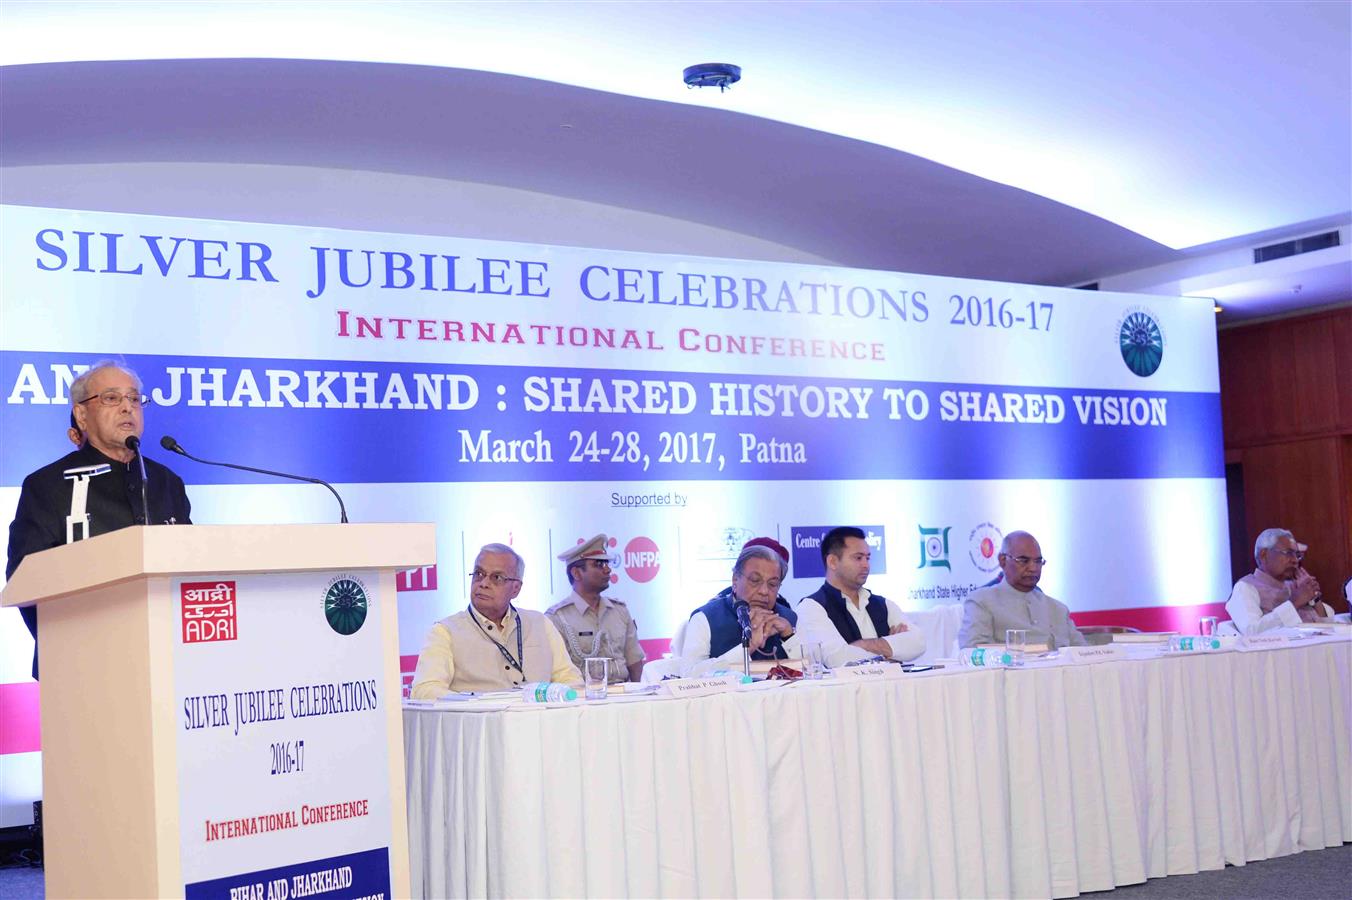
<point>491,645</point>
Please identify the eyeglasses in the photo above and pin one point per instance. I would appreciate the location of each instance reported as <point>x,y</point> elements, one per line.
<point>115,398</point>
<point>497,579</point>
<point>1026,561</point>
<point>1293,554</point>
<point>755,582</point>
<point>606,564</point>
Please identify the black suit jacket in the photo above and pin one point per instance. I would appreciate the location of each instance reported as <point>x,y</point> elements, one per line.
<point>114,502</point>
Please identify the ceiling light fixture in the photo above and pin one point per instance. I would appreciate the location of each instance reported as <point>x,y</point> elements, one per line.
<point>719,75</point>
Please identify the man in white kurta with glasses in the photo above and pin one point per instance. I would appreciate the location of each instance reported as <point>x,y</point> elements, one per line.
<point>491,645</point>
<point>1279,592</point>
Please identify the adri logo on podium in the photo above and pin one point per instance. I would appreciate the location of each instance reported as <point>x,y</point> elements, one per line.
<point>345,604</point>
<point>208,611</point>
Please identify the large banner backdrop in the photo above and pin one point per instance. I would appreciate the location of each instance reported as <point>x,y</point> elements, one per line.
<point>536,395</point>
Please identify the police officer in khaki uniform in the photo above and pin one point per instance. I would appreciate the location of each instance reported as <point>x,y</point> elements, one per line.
<point>593,625</point>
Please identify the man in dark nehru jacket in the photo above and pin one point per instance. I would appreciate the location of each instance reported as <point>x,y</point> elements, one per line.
<point>849,621</point>
<point>107,405</point>
<point>713,637</point>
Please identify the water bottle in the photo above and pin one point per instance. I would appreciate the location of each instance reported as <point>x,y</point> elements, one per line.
<point>742,677</point>
<point>1186,643</point>
<point>547,692</point>
<point>984,657</point>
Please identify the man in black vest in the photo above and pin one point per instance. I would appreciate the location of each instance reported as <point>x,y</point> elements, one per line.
<point>713,633</point>
<point>848,620</point>
<point>107,409</point>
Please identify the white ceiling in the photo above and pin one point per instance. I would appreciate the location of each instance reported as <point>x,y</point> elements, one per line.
<point>1189,123</point>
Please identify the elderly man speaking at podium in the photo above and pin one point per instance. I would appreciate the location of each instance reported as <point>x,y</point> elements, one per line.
<point>97,488</point>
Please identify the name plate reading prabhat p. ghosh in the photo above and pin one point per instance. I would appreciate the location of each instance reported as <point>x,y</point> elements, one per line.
<point>698,687</point>
<point>869,672</point>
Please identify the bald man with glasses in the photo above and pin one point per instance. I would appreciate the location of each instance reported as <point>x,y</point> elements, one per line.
<point>1017,602</point>
<point>107,408</point>
<point>491,645</point>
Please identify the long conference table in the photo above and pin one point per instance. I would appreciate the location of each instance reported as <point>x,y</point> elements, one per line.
<point>1046,781</point>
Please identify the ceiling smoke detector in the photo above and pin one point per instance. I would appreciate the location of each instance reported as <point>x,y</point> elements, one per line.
<point>719,75</point>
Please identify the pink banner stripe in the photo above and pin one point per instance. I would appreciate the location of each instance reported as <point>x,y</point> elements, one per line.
<point>1182,619</point>
<point>20,722</point>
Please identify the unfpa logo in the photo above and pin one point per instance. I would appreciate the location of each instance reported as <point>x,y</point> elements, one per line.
<point>1141,341</point>
<point>642,559</point>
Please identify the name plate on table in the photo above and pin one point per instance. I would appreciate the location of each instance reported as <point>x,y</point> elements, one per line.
<point>698,687</point>
<point>869,672</point>
<point>1099,653</point>
<point>1263,641</point>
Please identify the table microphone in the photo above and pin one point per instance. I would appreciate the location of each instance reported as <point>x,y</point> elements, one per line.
<point>173,446</point>
<point>133,443</point>
<point>742,610</point>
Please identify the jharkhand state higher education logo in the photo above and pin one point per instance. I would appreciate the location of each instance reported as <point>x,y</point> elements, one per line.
<point>934,548</point>
<point>345,604</point>
<point>1141,341</point>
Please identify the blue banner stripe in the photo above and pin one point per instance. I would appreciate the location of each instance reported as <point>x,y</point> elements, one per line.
<point>364,874</point>
<point>737,427</point>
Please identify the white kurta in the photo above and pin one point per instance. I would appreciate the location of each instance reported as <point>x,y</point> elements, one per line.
<point>816,627</point>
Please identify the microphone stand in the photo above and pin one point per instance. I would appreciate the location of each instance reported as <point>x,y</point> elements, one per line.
<point>172,445</point>
<point>133,443</point>
<point>744,619</point>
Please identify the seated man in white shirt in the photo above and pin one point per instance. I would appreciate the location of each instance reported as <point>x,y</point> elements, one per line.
<point>849,621</point>
<point>1278,593</point>
<point>713,637</point>
<point>1017,602</point>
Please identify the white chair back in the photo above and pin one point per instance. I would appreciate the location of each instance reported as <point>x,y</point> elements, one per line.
<point>940,624</point>
<point>657,669</point>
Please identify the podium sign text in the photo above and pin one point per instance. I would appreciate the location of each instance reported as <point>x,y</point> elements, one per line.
<point>280,716</point>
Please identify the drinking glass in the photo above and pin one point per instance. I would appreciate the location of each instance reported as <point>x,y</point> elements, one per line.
<point>1016,643</point>
<point>1206,626</point>
<point>814,662</point>
<point>595,677</point>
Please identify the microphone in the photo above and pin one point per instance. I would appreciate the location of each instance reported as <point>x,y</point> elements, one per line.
<point>742,610</point>
<point>173,446</point>
<point>133,443</point>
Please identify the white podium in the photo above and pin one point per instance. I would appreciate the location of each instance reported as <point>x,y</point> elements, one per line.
<point>221,709</point>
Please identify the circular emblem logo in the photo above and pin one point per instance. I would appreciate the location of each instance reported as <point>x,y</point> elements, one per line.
<point>934,547</point>
<point>642,559</point>
<point>345,605</point>
<point>985,547</point>
<point>1141,341</point>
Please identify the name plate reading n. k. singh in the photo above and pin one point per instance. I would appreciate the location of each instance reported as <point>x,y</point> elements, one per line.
<point>869,672</point>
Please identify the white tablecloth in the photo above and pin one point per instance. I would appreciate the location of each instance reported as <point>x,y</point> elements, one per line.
<point>1036,782</point>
